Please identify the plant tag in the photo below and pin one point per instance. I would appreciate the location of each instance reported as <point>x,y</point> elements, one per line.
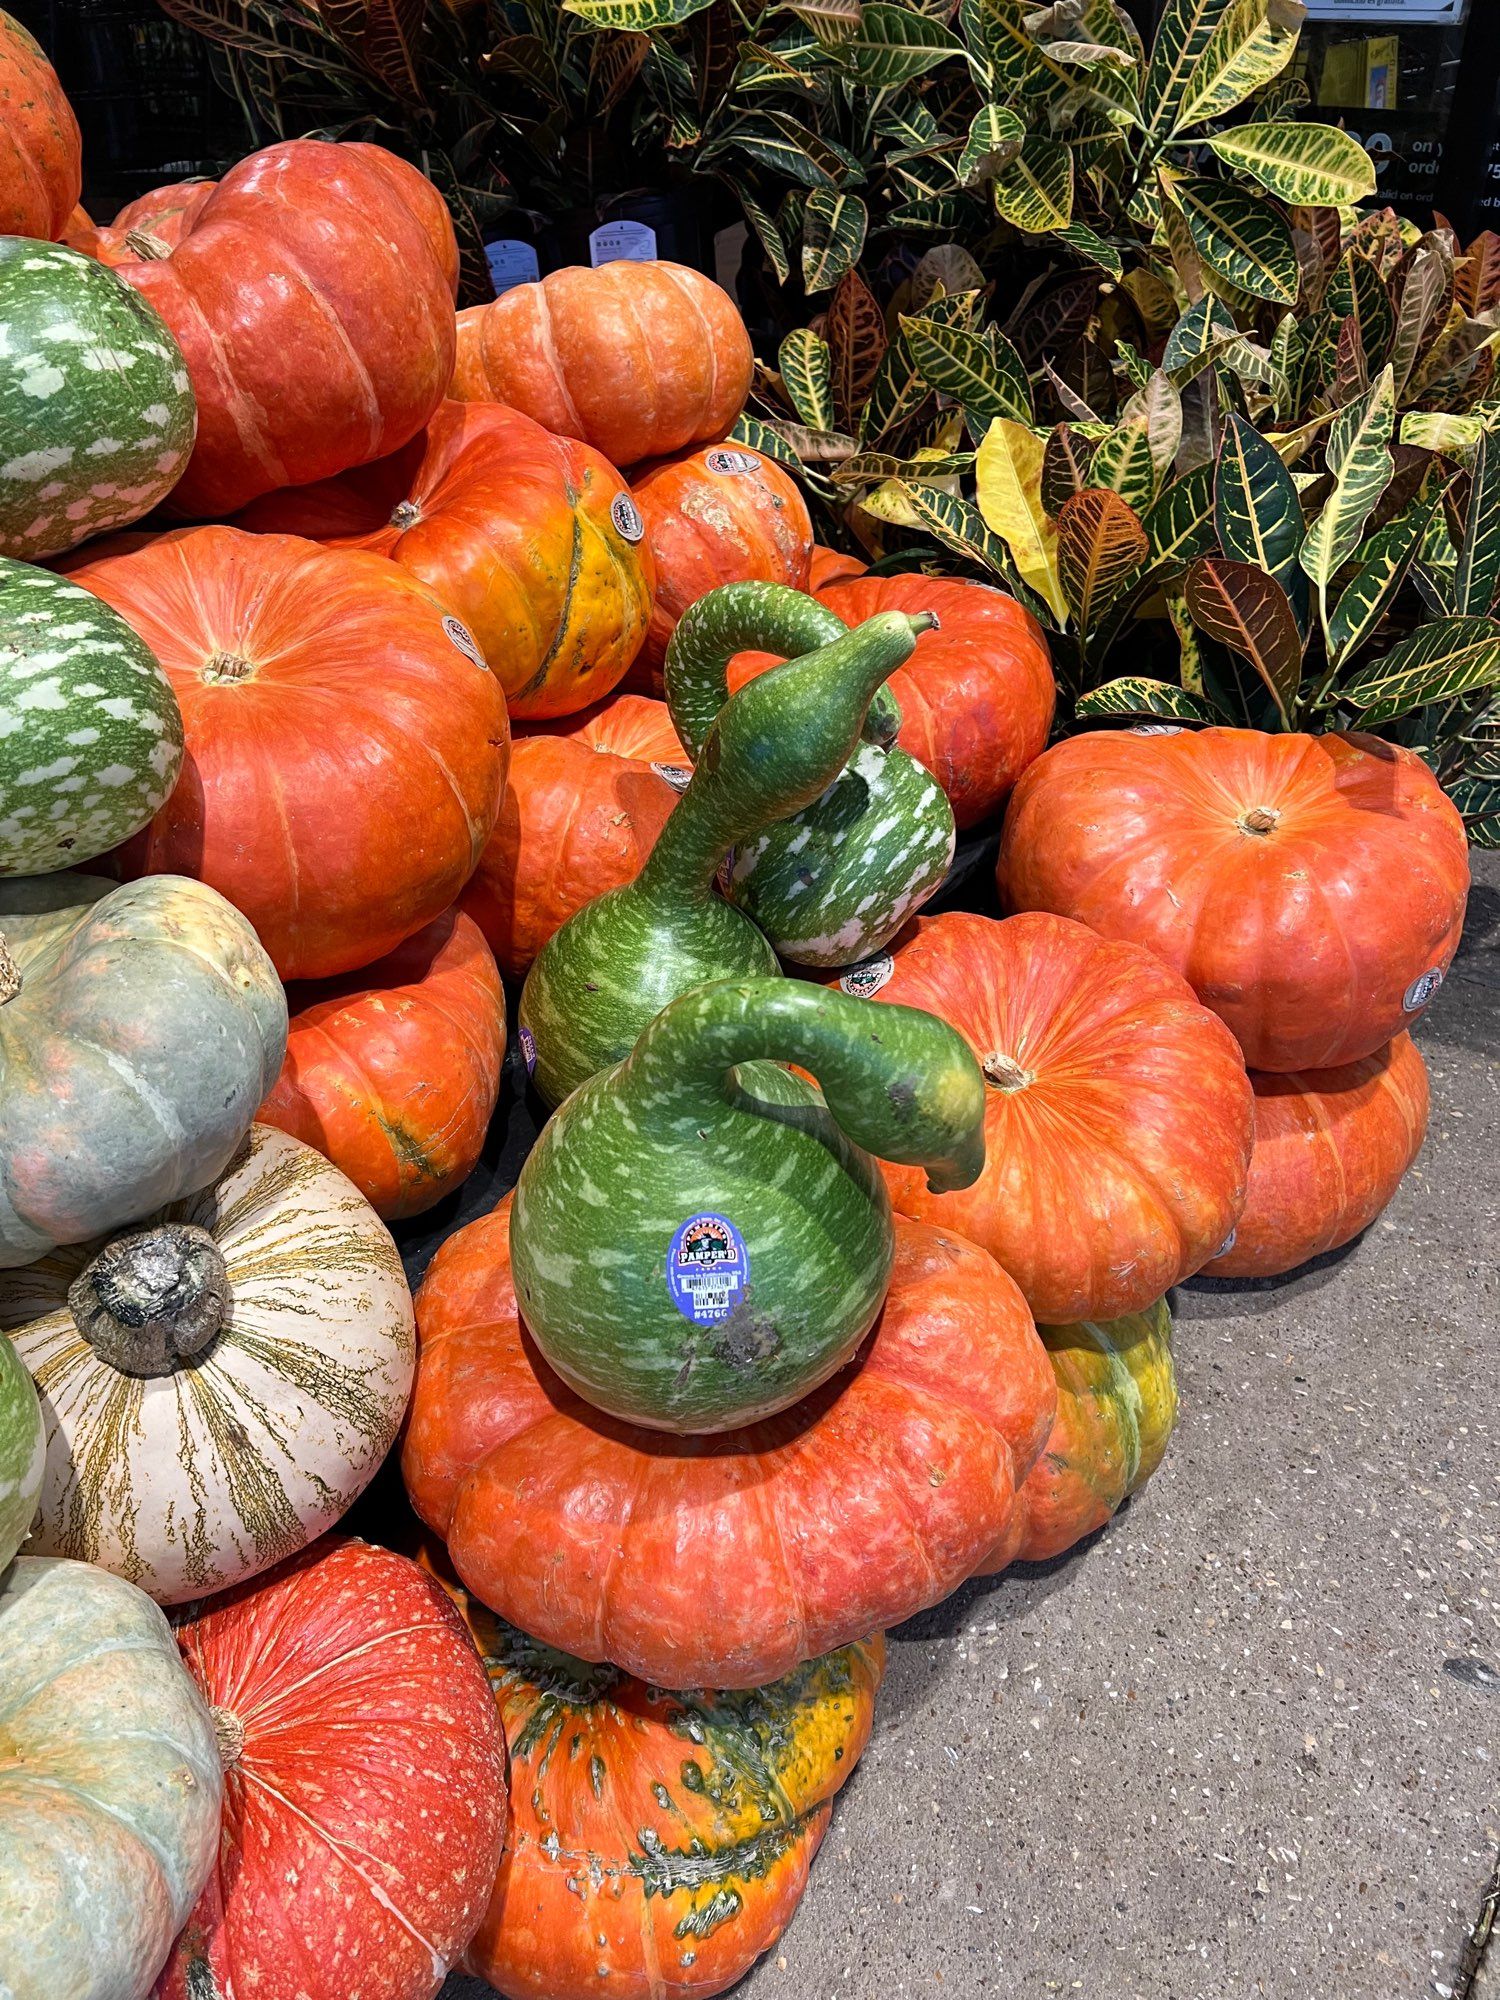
<point>708,1269</point>
<point>1421,990</point>
<point>633,241</point>
<point>511,263</point>
<point>725,460</point>
<point>860,981</point>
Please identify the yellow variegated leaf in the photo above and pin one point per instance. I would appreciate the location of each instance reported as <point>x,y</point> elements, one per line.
<point>1251,44</point>
<point>1035,192</point>
<point>1008,485</point>
<point>1316,166</point>
<point>1359,457</point>
<point>1434,430</point>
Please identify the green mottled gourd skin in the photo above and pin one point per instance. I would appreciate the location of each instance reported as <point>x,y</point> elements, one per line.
<point>775,747</point>
<point>23,1451</point>
<point>701,1120</point>
<point>833,882</point>
<point>97,417</point>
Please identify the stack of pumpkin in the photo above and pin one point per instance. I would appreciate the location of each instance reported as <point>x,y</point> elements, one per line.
<point>744,1372</point>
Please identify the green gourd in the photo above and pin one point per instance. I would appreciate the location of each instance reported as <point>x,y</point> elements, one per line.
<point>774,748</point>
<point>834,882</point>
<point>23,1451</point>
<point>700,1237</point>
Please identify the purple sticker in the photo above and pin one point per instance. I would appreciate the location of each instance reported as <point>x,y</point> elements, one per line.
<point>708,1269</point>
<point>528,1051</point>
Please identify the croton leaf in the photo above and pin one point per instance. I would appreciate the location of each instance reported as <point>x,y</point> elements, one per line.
<point>1101,545</point>
<point>958,526</point>
<point>806,368</point>
<point>995,137</point>
<point>1453,656</point>
<point>1248,611</point>
<point>1427,295</point>
<point>1035,192</point>
<point>1008,484</point>
<point>1135,695</point>
<point>1181,523</point>
<point>1065,466</point>
<point>1202,332</point>
<point>1313,165</point>
<point>891,45</point>
<point>854,328</point>
<point>833,235</point>
<point>1241,238</point>
<point>635,15</point>
<point>1357,291</point>
<point>1251,43</point>
<point>1182,39</point>
<point>1257,513</point>
<point>1359,457</point>
<point>960,364</point>
<point>1137,455</point>
<point>761,437</point>
<point>1479,274</point>
<point>1383,567</point>
<point>1088,243</point>
<point>1478,576</point>
<point>832,21</point>
<point>763,223</point>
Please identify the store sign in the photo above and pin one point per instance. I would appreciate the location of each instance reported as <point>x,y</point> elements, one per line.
<point>1404,13</point>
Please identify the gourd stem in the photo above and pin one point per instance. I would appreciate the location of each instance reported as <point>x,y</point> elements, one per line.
<point>150,249</point>
<point>10,973</point>
<point>229,1735</point>
<point>774,748</point>
<point>901,1083</point>
<point>758,618</point>
<point>152,1299</point>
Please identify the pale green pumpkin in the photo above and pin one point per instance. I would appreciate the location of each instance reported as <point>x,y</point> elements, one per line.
<point>23,1454</point>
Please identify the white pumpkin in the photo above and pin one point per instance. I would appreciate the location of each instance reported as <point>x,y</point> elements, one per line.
<point>110,1785</point>
<point>220,1383</point>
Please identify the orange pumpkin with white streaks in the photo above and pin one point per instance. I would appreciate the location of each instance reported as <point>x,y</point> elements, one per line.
<point>584,804</point>
<point>346,744</point>
<point>1118,1115</point>
<point>393,1072</point>
<point>517,532</point>
<point>726,1561</point>
<point>639,359</point>
<point>1331,1148</point>
<point>658,1842</point>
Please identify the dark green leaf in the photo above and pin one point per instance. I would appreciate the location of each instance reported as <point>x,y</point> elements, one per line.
<point>833,235</point>
<point>806,371</point>
<point>1454,656</point>
<point>1202,332</point>
<point>1065,467</point>
<point>1478,575</point>
<point>891,45</point>
<point>1181,523</point>
<point>959,364</point>
<point>1248,611</point>
<point>1242,238</point>
<point>1135,696</point>
<point>1257,514</point>
<point>1372,589</point>
<point>1358,292</point>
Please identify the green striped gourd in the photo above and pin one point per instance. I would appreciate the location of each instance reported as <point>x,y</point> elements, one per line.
<point>697,1244</point>
<point>110,1785</point>
<point>835,881</point>
<point>97,418</point>
<point>773,749</point>
<point>22,1455</point>
<point>220,1384</point>
<point>90,731</point>
<point>141,1026</point>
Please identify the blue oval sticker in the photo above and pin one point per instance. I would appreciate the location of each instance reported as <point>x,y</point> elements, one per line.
<point>708,1269</point>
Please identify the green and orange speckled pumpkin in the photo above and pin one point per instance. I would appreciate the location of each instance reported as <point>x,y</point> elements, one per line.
<point>658,1842</point>
<point>1116,1409</point>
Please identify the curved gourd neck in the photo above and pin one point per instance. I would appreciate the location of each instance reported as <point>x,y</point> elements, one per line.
<point>152,1299</point>
<point>900,1082</point>
<point>780,742</point>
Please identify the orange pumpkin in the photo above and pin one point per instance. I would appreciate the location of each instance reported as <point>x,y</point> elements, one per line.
<point>41,151</point>
<point>149,226</point>
<point>346,744</point>
<point>637,359</point>
<point>726,1561</point>
<point>1331,1148</point>
<point>394,1072</point>
<point>717,514</point>
<point>829,565</point>
<point>312,296</point>
<point>614,1781</point>
<point>1310,889</point>
<point>1118,1115</point>
<point>517,531</point>
<point>583,807</point>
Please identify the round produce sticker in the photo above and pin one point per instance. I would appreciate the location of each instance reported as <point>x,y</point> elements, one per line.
<point>1421,990</point>
<point>732,461</point>
<point>861,981</point>
<point>627,517</point>
<point>708,1269</point>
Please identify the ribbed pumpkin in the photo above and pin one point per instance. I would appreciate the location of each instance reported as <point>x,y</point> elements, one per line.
<point>639,359</point>
<point>149,226</point>
<point>393,1072</point>
<point>1331,1148</point>
<point>659,1842</point>
<point>139,1028</point>
<point>347,745</point>
<point>727,1562</point>
<point>41,150</point>
<point>312,294</point>
<point>23,1452</point>
<point>531,539</point>
<point>1118,1116</point>
<point>109,1785</point>
<point>1309,888</point>
<point>1116,1410</point>
<point>718,514</point>
<point>221,1382</point>
<point>582,810</point>
<point>830,564</point>
<point>364,1784</point>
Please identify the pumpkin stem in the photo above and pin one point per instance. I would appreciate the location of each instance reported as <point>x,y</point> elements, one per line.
<point>1259,819</point>
<point>230,1734</point>
<point>10,974</point>
<point>227,667</point>
<point>405,514</point>
<point>1006,1073</point>
<point>150,249</point>
<point>152,1298</point>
